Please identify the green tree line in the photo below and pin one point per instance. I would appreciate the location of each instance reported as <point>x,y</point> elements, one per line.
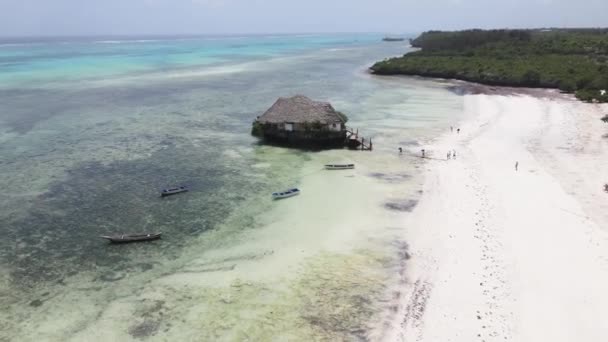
<point>573,60</point>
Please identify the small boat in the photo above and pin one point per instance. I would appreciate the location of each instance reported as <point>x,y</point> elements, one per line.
<point>393,39</point>
<point>286,193</point>
<point>339,166</point>
<point>124,238</point>
<point>173,191</point>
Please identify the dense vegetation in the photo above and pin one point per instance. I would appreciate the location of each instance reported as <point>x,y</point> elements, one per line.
<point>573,60</point>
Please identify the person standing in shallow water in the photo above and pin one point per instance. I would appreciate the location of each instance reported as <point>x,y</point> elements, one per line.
<point>516,165</point>
<point>449,155</point>
<point>454,154</point>
<point>452,129</point>
<point>458,131</point>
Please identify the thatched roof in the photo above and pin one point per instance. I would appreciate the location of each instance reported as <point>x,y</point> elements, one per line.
<point>299,109</point>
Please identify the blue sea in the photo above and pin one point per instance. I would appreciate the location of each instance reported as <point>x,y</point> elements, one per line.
<point>91,129</point>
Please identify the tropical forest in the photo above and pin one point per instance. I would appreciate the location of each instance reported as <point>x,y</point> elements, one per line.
<point>572,60</point>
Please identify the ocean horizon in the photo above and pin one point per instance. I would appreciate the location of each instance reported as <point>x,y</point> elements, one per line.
<point>93,129</point>
<point>93,37</point>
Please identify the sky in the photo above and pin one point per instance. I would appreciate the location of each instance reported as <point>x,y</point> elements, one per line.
<point>170,17</point>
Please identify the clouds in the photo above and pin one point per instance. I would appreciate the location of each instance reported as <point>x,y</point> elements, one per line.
<point>90,17</point>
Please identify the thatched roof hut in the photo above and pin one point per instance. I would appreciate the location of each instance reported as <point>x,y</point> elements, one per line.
<point>301,109</point>
<point>299,120</point>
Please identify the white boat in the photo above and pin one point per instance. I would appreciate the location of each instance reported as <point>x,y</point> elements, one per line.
<point>339,166</point>
<point>286,193</point>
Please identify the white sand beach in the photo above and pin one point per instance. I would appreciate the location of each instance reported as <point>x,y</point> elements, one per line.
<point>500,254</point>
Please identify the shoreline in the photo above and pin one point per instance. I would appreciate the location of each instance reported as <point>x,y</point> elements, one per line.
<point>464,87</point>
<point>493,249</point>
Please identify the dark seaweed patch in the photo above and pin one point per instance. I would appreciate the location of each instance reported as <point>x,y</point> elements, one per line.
<point>402,205</point>
<point>145,329</point>
<point>391,178</point>
<point>36,303</point>
<point>60,235</point>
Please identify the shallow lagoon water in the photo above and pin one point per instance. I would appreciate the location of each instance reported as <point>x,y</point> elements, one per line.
<point>87,153</point>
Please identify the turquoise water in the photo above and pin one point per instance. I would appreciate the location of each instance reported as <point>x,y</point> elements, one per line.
<point>68,60</point>
<point>92,129</point>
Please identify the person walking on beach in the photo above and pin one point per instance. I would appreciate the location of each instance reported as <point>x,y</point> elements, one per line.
<point>449,154</point>
<point>423,153</point>
<point>458,131</point>
<point>452,129</point>
<point>454,154</point>
<point>400,150</point>
<point>516,165</point>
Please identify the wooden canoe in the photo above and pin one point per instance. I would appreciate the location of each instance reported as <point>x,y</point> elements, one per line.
<point>339,166</point>
<point>286,193</point>
<point>136,237</point>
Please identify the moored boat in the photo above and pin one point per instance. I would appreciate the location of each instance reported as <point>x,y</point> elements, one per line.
<point>286,193</point>
<point>137,237</point>
<point>173,191</point>
<point>393,39</point>
<point>339,166</point>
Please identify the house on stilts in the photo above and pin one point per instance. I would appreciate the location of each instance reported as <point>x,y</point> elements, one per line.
<point>301,121</point>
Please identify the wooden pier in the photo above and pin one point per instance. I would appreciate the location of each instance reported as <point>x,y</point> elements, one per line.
<point>356,142</point>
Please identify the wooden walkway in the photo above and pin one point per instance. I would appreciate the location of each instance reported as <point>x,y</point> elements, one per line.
<point>356,142</point>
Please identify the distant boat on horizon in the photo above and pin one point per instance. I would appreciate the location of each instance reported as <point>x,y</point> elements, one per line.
<point>393,39</point>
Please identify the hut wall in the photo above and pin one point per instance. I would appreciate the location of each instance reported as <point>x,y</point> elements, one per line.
<point>304,135</point>
<point>336,127</point>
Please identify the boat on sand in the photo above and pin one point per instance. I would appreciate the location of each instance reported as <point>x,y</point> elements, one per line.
<point>339,166</point>
<point>134,237</point>
<point>286,193</point>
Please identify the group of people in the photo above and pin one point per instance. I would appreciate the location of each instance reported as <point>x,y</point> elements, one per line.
<point>451,154</point>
